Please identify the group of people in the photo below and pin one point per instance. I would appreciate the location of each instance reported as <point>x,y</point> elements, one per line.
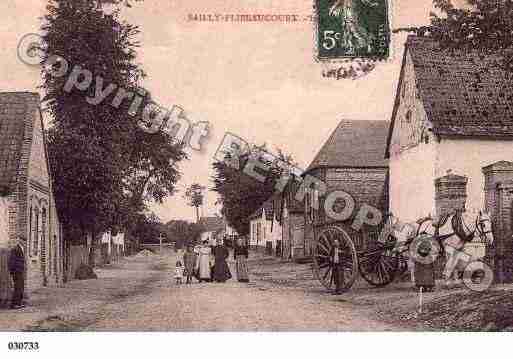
<point>209,264</point>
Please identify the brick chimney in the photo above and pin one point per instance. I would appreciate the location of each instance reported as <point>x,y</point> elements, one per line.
<point>450,193</point>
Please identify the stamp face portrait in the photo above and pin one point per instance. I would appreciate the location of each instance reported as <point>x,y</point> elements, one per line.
<point>352,28</point>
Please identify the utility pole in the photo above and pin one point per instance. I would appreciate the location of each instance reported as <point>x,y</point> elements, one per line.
<point>160,240</point>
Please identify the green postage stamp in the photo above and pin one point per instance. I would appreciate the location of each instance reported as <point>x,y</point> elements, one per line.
<point>352,28</point>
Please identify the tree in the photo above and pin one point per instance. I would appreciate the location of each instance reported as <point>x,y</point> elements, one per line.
<point>240,194</point>
<point>194,195</point>
<point>147,228</point>
<point>484,26</point>
<point>183,232</point>
<point>105,167</point>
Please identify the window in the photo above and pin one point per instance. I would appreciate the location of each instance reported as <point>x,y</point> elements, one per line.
<point>43,237</point>
<point>408,117</point>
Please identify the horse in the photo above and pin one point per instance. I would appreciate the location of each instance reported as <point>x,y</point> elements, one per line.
<point>449,235</point>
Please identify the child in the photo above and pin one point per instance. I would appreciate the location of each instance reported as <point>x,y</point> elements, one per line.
<point>179,272</point>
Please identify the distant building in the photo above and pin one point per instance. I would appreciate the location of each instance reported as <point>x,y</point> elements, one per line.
<point>27,204</point>
<point>293,242</point>
<point>265,228</point>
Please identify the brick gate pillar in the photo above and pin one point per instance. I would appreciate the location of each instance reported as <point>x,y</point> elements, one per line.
<point>450,193</point>
<point>498,172</point>
<point>503,235</point>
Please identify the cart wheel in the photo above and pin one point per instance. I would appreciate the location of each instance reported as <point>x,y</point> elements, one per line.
<point>322,249</point>
<point>380,264</point>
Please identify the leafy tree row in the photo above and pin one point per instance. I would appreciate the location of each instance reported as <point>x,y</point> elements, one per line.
<point>105,168</point>
<point>241,194</point>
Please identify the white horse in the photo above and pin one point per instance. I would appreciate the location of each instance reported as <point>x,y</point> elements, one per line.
<point>452,232</point>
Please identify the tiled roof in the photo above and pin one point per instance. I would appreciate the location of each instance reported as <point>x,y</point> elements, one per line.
<point>463,93</point>
<point>354,144</point>
<point>212,224</point>
<point>14,108</point>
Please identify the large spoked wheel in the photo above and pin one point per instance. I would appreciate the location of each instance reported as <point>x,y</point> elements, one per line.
<point>380,264</point>
<point>323,267</point>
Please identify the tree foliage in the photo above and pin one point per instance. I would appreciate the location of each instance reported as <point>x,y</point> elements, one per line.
<point>183,232</point>
<point>105,167</point>
<point>241,194</point>
<point>194,194</point>
<point>485,26</point>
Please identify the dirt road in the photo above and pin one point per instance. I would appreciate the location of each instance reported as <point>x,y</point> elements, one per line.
<point>139,294</point>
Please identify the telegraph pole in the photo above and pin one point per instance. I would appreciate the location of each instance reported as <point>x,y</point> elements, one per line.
<point>160,240</point>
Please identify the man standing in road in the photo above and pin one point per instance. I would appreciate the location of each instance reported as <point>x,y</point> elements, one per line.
<point>336,265</point>
<point>17,269</point>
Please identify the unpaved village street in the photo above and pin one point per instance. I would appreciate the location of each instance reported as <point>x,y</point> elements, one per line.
<point>139,294</point>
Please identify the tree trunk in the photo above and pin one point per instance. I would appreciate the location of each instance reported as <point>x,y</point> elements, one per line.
<point>197,214</point>
<point>92,251</point>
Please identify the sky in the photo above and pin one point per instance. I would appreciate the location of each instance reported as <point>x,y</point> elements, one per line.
<point>258,80</point>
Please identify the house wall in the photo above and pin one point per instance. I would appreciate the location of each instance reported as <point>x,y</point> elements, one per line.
<point>299,247</point>
<point>412,161</point>
<point>275,231</point>
<point>32,214</point>
<point>411,185</point>
<point>259,232</point>
<point>4,221</point>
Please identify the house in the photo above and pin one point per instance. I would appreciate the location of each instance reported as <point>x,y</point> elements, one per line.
<point>211,226</point>
<point>351,161</point>
<point>293,242</point>
<point>451,134</point>
<point>265,228</point>
<point>230,232</point>
<point>27,204</point>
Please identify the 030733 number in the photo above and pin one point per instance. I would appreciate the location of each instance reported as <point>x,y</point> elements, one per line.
<point>23,346</point>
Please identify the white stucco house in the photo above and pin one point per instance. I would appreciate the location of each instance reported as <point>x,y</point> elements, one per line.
<point>265,228</point>
<point>453,114</point>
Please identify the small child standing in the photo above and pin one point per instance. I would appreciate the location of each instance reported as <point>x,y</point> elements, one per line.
<point>179,272</point>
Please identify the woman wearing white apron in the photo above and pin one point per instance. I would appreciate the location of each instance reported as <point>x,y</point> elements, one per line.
<point>204,262</point>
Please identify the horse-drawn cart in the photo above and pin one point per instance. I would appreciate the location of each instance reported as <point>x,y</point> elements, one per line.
<point>384,256</point>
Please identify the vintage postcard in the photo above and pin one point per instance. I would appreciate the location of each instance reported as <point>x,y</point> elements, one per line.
<point>255,166</point>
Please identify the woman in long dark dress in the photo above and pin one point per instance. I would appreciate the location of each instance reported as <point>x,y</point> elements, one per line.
<point>240,254</point>
<point>221,270</point>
